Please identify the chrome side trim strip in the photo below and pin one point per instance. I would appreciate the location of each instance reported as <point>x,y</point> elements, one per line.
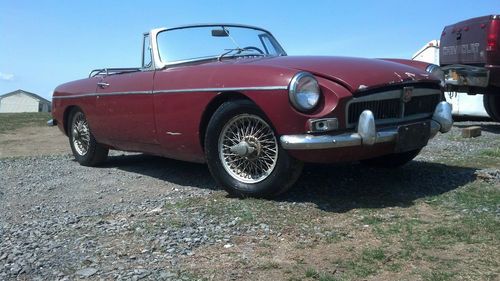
<point>264,88</point>
<point>103,94</point>
<point>74,96</point>
<point>124,93</point>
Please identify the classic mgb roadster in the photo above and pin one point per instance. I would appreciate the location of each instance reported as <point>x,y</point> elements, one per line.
<point>229,95</point>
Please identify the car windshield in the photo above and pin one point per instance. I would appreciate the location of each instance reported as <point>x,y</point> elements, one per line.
<point>216,41</point>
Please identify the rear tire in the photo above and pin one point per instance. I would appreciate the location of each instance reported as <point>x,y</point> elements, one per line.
<point>391,160</point>
<point>492,105</point>
<point>260,167</point>
<point>85,148</point>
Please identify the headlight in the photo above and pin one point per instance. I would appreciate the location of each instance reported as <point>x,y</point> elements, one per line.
<point>436,71</point>
<point>304,92</point>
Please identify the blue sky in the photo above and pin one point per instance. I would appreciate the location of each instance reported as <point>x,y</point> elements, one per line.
<point>46,43</point>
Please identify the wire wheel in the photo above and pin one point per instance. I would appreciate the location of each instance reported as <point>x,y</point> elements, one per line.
<point>80,134</point>
<point>248,148</point>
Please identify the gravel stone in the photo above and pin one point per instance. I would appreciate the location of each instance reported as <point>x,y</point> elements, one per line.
<point>489,175</point>
<point>86,272</point>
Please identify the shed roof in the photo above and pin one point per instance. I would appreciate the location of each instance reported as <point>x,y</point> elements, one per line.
<point>19,91</point>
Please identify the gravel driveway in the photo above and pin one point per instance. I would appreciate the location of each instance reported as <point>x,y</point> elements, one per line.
<point>140,216</point>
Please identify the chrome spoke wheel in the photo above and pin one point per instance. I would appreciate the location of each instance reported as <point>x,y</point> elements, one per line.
<point>248,148</point>
<point>80,134</point>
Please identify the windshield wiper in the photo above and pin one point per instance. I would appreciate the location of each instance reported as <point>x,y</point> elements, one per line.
<point>238,51</point>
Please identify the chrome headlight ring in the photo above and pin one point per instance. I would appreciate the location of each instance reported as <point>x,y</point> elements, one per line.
<point>304,92</point>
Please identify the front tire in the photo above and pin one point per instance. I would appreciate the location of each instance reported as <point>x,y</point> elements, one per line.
<point>492,105</point>
<point>86,150</point>
<point>391,160</point>
<point>244,155</point>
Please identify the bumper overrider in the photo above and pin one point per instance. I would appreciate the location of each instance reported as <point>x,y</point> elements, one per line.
<point>367,133</point>
<point>52,123</point>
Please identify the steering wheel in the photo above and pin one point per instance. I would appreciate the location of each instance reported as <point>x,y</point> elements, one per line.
<point>254,48</point>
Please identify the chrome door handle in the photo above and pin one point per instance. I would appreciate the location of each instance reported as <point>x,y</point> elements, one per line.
<point>103,84</point>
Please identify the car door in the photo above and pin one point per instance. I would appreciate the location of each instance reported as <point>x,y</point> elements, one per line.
<point>124,104</point>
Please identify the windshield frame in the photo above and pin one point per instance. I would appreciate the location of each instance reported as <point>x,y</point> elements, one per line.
<point>161,64</point>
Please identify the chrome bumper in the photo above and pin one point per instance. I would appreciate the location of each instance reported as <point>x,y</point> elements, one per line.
<point>466,75</point>
<point>367,133</point>
<point>52,122</point>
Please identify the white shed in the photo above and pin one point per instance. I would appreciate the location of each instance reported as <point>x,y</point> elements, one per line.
<point>23,101</point>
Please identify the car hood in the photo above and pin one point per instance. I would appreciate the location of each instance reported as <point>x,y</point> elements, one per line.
<point>356,74</point>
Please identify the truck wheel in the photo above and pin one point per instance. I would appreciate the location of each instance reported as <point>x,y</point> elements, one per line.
<point>391,160</point>
<point>87,151</point>
<point>492,105</point>
<point>244,155</point>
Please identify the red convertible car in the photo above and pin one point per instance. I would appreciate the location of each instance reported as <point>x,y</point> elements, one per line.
<point>228,95</point>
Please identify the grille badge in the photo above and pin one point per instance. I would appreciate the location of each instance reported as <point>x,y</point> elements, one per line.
<point>407,94</point>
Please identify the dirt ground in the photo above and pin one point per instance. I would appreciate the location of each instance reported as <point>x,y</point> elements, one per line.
<point>33,141</point>
<point>151,218</point>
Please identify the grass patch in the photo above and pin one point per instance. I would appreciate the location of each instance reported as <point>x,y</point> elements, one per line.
<point>13,121</point>
<point>373,255</point>
<point>366,264</point>
<point>479,162</point>
<point>269,265</point>
<point>372,220</point>
<point>311,273</point>
<point>320,276</point>
<point>477,197</point>
<point>333,238</point>
<point>265,214</point>
<point>495,152</point>
<point>472,226</point>
<point>476,216</point>
<point>438,276</point>
<point>361,269</point>
<point>216,205</point>
<point>400,227</point>
<point>440,234</point>
<point>327,277</point>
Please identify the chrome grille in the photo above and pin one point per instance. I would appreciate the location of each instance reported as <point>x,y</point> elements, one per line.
<point>382,109</point>
<point>422,104</point>
<point>388,107</point>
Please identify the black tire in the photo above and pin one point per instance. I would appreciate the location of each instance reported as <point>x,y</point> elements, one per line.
<point>492,105</point>
<point>391,160</point>
<point>279,179</point>
<point>95,153</point>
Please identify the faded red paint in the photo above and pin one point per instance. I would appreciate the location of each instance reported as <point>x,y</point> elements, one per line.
<point>354,73</point>
<point>168,124</point>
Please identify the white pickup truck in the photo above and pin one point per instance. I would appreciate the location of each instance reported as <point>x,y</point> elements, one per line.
<point>464,105</point>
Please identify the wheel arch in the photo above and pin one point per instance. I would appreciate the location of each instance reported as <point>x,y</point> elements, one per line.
<point>212,106</point>
<point>66,116</point>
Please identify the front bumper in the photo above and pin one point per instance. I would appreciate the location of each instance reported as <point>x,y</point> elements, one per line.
<point>52,122</point>
<point>367,133</point>
<point>466,75</point>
